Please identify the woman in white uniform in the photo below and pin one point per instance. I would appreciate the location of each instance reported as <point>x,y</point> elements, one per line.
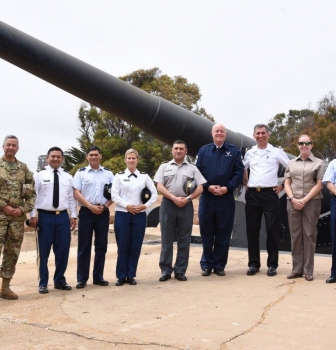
<point>130,216</point>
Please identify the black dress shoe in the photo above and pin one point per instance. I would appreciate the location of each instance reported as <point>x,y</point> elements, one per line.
<point>131,281</point>
<point>219,272</point>
<point>164,277</point>
<point>252,270</point>
<point>271,271</point>
<point>180,277</point>
<point>43,290</point>
<point>63,286</point>
<point>206,272</point>
<point>81,285</point>
<point>331,280</point>
<point>120,282</point>
<point>101,283</point>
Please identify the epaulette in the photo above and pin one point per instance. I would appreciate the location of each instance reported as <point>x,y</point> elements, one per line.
<point>38,170</point>
<point>81,169</point>
<point>231,145</point>
<point>143,172</point>
<point>107,169</point>
<point>121,172</point>
<point>65,171</point>
<point>165,162</point>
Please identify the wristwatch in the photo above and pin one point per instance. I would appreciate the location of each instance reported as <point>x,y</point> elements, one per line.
<point>291,198</point>
<point>189,199</point>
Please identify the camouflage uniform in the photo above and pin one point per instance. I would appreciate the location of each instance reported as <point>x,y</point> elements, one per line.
<point>16,190</point>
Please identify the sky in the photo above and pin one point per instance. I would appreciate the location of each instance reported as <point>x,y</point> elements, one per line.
<point>251,59</point>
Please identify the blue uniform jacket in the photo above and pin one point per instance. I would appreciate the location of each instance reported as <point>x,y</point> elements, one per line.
<point>223,166</point>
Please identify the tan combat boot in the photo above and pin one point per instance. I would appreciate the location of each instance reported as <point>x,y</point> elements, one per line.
<point>5,292</point>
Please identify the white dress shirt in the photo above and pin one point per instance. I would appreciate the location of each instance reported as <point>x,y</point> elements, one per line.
<point>330,174</point>
<point>126,189</point>
<point>90,182</point>
<point>264,165</point>
<point>44,187</point>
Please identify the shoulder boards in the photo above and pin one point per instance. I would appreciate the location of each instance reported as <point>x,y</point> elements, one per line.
<point>65,171</point>
<point>38,170</point>
<point>208,145</point>
<point>121,172</point>
<point>165,162</point>
<point>81,169</point>
<point>107,169</point>
<point>231,145</point>
<point>143,172</point>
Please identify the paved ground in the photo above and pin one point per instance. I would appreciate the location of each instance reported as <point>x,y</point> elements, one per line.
<point>231,312</point>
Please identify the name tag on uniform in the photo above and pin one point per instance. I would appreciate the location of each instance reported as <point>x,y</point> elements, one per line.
<point>46,181</point>
<point>127,180</point>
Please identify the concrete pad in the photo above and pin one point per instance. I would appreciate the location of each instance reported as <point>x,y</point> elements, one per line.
<point>232,312</point>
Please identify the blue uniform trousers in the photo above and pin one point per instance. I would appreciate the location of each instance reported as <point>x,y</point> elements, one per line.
<point>216,216</point>
<point>257,204</point>
<point>53,230</point>
<point>175,221</point>
<point>129,231</point>
<point>89,222</point>
<point>333,234</point>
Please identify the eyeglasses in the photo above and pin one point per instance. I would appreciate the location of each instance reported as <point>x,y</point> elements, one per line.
<point>306,143</point>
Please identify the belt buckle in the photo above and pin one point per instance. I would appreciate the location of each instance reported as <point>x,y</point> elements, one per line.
<point>258,189</point>
<point>57,212</point>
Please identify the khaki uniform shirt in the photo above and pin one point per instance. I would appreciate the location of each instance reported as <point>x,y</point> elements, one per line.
<point>303,174</point>
<point>173,176</point>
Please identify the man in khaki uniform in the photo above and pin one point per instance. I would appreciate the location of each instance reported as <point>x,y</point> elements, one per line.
<point>17,197</point>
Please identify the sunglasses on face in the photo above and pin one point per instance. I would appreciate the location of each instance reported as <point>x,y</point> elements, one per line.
<point>306,143</point>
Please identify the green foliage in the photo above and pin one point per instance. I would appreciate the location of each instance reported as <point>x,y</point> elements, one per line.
<point>73,157</point>
<point>114,136</point>
<point>320,125</point>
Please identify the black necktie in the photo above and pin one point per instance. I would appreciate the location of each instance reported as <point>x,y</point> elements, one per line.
<point>56,190</point>
<point>132,175</point>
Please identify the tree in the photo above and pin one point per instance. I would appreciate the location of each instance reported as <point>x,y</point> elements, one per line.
<point>114,136</point>
<point>319,124</point>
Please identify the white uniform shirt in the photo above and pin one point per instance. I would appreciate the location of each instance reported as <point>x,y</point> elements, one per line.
<point>264,165</point>
<point>126,189</point>
<point>330,174</point>
<point>90,183</point>
<point>44,187</point>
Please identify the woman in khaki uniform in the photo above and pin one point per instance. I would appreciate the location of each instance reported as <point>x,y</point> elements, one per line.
<point>303,185</point>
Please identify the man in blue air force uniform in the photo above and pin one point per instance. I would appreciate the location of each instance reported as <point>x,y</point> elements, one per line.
<point>221,165</point>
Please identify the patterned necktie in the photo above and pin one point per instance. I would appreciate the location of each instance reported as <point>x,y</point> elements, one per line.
<point>56,190</point>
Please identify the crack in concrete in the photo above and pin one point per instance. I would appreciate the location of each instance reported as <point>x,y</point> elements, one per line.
<point>265,312</point>
<point>113,343</point>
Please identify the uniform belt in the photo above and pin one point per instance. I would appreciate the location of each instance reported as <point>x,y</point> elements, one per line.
<point>53,212</point>
<point>261,189</point>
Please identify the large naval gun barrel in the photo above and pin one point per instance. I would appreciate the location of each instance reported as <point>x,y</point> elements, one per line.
<point>152,114</point>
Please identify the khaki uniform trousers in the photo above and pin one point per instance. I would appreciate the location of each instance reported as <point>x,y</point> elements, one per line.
<point>303,230</point>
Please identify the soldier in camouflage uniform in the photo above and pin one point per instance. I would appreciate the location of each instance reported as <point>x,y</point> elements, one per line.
<point>17,197</point>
